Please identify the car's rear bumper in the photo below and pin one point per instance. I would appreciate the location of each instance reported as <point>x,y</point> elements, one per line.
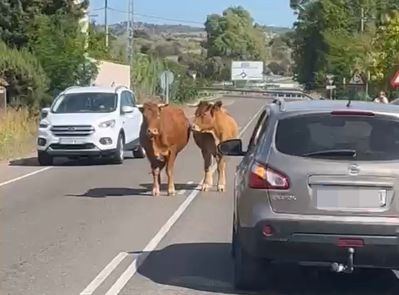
<point>294,241</point>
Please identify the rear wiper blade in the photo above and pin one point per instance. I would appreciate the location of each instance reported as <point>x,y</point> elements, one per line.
<point>342,152</point>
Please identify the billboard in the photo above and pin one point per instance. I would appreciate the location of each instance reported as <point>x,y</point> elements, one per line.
<point>247,71</point>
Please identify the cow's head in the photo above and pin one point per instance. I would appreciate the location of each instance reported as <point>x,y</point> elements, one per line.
<point>204,120</point>
<point>152,116</point>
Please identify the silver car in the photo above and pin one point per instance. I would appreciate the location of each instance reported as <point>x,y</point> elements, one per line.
<point>318,184</point>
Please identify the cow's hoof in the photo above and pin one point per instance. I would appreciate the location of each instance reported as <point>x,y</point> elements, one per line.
<point>205,187</point>
<point>221,188</point>
<point>156,193</point>
<point>172,193</point>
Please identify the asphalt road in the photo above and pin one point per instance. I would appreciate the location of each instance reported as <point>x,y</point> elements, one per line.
<point>92,228</point>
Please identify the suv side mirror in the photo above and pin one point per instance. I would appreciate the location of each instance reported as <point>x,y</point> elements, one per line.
<point>127,109</point>
<point>232,147</point>
<point>44,112</point>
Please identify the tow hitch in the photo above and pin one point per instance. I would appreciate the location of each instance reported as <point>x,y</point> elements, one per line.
<point>339,267</point>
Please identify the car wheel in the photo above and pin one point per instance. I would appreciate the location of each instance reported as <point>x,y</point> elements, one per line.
<point>139,152</point>
<point>44,158</point>
<point>249,271</point>
<point>119,153</point>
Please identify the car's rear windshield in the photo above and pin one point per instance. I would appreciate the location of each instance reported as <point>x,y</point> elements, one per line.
<point>89,102</point>
<point>363,138</point>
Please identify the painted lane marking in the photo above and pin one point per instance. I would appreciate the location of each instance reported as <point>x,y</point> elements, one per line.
<point>151,246</point>
<point>24,176</point>
<point>100,278</point>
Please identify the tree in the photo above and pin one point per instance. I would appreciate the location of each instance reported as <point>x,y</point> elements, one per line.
<point>386,53</point>
<point>17,17</point>
<point>276,68</point>
<point>234,35</point>
<point>60,48</point>
<point>27,81</point>
<point>329,38</point>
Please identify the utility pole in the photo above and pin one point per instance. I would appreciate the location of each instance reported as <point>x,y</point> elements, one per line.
<point>130,31</point>
<point>106,22</point>
<point>362,25</point>
<point>130,43</point>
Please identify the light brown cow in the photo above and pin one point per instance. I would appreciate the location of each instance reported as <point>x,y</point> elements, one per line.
<point>212,125</point>
<point>164,133</point>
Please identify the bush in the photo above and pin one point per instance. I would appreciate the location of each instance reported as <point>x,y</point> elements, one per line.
<point>28,83</point>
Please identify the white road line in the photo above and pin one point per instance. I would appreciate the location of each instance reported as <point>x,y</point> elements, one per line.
<point>151,246</point>
<point>24,176</point>
<point>396,272</point>
<point>104,274</point>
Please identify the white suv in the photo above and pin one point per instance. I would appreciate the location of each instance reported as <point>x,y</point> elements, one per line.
<point>90,122</point>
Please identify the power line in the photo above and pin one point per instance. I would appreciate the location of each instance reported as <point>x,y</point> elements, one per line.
<point>156,17</point>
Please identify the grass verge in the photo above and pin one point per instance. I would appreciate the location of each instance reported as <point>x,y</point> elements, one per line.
<point>17,133</point>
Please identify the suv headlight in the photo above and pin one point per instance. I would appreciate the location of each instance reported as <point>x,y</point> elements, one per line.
<point>44,124</point>
<point>107,124</point>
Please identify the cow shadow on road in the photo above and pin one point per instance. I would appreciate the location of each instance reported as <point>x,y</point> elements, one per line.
<point>145,190</point>
<point>208,267</point>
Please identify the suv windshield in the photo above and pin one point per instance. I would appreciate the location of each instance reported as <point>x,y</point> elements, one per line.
<point>90,102</point>
<point>339,137</point>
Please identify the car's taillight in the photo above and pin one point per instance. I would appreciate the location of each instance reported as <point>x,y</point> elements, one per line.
<point>264,177</point>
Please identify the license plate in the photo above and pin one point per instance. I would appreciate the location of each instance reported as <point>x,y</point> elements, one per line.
<point>341,198</point>
<point>72,140</point>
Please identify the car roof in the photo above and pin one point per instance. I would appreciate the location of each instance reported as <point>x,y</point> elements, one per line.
<point>311,106</point>
<point>78,89</point>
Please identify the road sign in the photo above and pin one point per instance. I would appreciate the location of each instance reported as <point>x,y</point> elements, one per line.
<point>247,71</point>
<point>395,80</point>
<point>356,79</point>
<point>166,79</point>
<point>331,87</point>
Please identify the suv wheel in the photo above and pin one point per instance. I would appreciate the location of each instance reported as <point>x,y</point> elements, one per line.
<point>249,271</point>
<point>139,152</point>
<point>44,158</point>
<point>119,153</point>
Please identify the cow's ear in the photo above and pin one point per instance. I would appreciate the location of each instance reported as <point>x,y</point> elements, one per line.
<point>217,105</point>
<point>201,103</point>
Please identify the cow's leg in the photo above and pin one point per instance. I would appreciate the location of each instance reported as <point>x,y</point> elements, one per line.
<point>156,174</point>
<point>170,165</point>
<point>221,162</point>
<point>208,178</point>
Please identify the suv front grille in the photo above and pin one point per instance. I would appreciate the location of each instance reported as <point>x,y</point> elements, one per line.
<point>72,130</point>
<point>86,146</point>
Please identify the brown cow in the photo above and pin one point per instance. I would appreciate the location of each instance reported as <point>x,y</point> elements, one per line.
<point>164,133</point>
<point>212,125</point>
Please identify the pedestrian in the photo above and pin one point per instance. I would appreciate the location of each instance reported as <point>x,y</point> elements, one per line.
<point>381,98</point>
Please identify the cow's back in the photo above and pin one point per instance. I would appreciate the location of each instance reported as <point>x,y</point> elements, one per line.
<point>175,127</point>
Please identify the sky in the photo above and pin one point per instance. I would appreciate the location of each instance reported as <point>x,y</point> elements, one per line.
<point>193,12</point>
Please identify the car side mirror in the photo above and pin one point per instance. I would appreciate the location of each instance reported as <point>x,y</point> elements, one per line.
<point>44,112</point>
<point>127,109</point>
<point>232,147</point>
